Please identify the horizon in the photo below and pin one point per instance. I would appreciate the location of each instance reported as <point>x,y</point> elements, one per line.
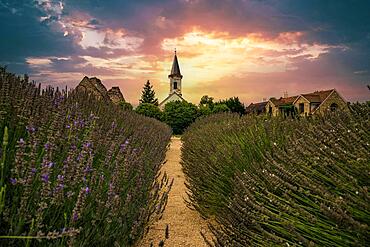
<point>247,49</point>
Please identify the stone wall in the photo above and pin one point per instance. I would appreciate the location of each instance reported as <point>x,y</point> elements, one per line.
<point>307,110</point>
<point>115,95</point>
<point>334,98</point>
<point>275,110</point>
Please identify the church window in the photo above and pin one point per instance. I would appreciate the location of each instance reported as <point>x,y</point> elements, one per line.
<point>175,85</point>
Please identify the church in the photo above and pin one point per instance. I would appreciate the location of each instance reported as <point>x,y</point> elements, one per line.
<point>175,84</point>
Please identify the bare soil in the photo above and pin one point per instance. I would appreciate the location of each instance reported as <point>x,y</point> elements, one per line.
<point>184,224</point>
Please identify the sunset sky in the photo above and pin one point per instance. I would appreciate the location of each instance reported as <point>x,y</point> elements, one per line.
<point>253,49</point>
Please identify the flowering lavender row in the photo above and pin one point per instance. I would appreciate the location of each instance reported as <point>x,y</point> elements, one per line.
<point>275,182</point>
<point>75,170</point>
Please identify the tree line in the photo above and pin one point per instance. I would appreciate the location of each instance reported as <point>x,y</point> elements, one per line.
<point>180,114</point>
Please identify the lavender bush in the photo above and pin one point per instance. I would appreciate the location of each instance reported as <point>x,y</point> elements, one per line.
<point>275,182</point>
<point>75,170</point>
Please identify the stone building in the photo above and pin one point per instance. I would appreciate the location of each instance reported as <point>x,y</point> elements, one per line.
<point>175,77</point>
<point>308,104</point>
<point>95,87</point>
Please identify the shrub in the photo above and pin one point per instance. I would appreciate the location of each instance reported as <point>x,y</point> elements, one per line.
<point>149,110</point>
<point>125,106</point>
<point>75,170</point>
<point>179,115</point>
<point>281,182</point>
<point>234,105</point>
<point>220,108</point>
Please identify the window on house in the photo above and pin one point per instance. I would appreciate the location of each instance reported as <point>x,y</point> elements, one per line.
<point>333,107</point>
<point>175,85</point>
<point>301,107</point>
<point>270,110</point>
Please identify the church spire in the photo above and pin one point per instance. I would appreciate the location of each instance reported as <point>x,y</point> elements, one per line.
<point>175,71</point>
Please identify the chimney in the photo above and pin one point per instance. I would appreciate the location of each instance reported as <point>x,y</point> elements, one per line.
<point>285,94</point>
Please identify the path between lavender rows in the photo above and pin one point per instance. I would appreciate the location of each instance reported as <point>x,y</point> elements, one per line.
<point>184,224</point>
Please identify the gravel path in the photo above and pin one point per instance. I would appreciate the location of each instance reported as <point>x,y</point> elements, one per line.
<point>184,225</point>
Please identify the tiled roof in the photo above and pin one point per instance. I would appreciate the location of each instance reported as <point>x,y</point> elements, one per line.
<point>258,107</point>
<point>318,96</point>
<point>283,101</point>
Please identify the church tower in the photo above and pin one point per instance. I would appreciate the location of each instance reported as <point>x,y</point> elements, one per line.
<point>175,84</point>
<point>175,77</point>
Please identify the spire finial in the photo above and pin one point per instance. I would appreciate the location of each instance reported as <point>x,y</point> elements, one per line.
<point>175,50</point>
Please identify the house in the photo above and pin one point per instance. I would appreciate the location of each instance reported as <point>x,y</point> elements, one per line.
<point>308,104</point>
<point>175,77</point>
<point>283,106</point>
<point>320,102</point>
<point>258,108</point>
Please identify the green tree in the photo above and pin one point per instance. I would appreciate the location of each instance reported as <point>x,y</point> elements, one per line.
<point>220,108</point>
<point>125,106</point>
<point>234,105</point>
<point>204,110</point>
<point>149,110</point>
<point>179,115</point>
<point>206,101</point>
<point>148,94</point>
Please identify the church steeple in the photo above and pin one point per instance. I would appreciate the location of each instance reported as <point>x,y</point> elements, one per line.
<point>175,71</point>
<point>175,77</point>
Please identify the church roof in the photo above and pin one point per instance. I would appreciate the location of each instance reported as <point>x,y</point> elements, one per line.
<point>169,96</point>
<point>175,71</point>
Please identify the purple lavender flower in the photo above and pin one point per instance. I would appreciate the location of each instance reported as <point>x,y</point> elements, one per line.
<point>87,190</point>
<point>88,169</point>
<point>50,164</point>
<point>30,129</point>
<point>87,145</point>
<point>47,146</point>
<point>60,177</point>
<point>45,177</point>
<point>33,170</point>
<point>21,141</point>
<point>68,126</point>
<point>13,181</point>
<point>124,145</point>
<point>75,216</point>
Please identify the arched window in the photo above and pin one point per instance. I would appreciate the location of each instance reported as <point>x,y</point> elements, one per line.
<point>175,85</point>
<point>333,107</point>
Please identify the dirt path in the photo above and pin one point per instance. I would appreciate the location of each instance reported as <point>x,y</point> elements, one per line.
<point>184,224</point>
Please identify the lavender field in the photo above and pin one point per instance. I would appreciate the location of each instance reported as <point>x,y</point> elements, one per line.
<point>265,181</point>
<point>75,170</point>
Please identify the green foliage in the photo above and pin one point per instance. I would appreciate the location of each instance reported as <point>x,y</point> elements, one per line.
<point>206,101</point>
<point>149,110</point>
<point>272,182</point>
<point>179,115</point>
<point>220,108</point>
<point>204,110</point>
<point>234,105</point>
<point>148,94</point>
<point>75,170</point>
<point>125,106</point>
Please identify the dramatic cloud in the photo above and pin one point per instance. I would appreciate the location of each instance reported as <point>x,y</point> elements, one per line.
<point>253,49</point>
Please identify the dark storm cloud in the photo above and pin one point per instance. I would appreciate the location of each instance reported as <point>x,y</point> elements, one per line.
<point>32,29</point>
<point>23,35</point>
